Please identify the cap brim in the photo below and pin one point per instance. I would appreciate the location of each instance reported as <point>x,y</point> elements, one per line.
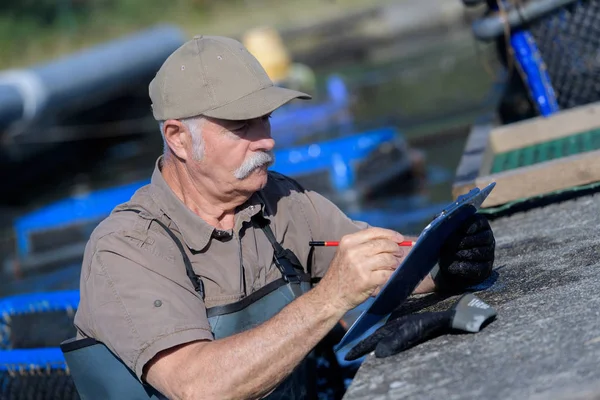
<point>256,104</point>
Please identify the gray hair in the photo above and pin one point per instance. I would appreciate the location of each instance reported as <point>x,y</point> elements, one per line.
<point>194,125</point>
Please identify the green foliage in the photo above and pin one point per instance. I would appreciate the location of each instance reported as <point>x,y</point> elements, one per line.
<point>33,31</point>
<point>50,12</point>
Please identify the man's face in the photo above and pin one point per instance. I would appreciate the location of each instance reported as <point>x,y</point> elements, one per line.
<point>236,154</point>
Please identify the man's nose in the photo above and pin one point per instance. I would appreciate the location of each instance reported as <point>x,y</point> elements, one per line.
<point>260,135</point>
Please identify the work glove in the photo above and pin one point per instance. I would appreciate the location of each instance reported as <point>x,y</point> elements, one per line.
<point>468,314</point>
<point>467,256</point>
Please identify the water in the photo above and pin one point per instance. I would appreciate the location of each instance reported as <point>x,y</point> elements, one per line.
<point>432,96</point>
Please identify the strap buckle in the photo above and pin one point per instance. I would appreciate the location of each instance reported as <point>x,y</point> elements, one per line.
<point>284,264</point>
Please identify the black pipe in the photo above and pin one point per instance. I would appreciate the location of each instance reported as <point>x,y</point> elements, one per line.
<point>82,80</point>
<point>489,28</point>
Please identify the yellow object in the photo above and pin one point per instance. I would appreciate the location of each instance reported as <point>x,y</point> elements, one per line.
<point>266,45</point>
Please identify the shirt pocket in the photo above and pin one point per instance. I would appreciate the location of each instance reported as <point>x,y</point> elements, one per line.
<point>148,242</point>
<point>221,284</point>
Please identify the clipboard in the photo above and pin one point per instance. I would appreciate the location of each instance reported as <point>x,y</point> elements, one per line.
<point>415,267</point>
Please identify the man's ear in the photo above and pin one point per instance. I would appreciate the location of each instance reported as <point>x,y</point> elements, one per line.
<point>177,137</point>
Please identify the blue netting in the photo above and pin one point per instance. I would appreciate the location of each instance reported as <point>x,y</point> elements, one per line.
<point>569,43</point>
<point>36,374</point>
<point>37,319</point>
<point>30,360</point>
<point>39,302</point>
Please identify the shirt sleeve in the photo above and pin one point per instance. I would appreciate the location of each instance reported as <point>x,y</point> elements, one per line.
<point>329,223</point>
<point>135,300</point>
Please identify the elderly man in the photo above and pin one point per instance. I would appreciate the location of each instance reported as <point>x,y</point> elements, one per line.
<point>200,283</point>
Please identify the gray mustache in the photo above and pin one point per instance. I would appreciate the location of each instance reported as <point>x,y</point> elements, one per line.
<point>257,160</point>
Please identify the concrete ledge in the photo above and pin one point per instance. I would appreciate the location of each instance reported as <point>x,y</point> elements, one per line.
<point>545,342</point>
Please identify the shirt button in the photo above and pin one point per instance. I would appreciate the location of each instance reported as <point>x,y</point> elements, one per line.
<point>157,303</point>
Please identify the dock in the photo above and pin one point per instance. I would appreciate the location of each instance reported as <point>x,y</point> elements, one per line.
<point>545,341</point>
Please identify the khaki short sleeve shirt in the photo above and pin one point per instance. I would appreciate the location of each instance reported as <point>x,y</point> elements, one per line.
<point>135,295</point>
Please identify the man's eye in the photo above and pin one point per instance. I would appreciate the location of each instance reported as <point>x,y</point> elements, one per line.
<point>241,127</point>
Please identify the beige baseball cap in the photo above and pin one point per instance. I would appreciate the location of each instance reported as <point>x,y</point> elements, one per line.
<point>216,77</point>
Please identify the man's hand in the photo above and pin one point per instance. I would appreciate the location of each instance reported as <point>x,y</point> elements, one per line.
<point>363,263</point>
<point>467,257</point>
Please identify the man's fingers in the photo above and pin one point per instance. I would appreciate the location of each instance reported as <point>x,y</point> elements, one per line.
<point>380,277</point>
<point>366,235</point>
<point>380,262</point>
<point>378,246</point>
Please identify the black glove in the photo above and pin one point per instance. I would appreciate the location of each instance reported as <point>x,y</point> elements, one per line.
<point>467,257</point>
<point>402,333</point>
<point>468,314</point>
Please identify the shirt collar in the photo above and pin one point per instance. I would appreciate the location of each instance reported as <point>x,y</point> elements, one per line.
<point>195,231</point>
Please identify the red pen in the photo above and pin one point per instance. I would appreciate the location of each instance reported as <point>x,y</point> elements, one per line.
<point>330,244</point>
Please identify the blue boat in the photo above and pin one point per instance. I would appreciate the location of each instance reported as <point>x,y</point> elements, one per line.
<point>345,169</point>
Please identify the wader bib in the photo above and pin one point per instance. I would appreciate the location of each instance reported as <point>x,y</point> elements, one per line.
<point>99,374</point>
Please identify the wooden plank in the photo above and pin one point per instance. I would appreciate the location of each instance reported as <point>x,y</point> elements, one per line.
<point>576,170</point>
<point>487,158</point>
<point>467,180</point>
<point>475,167</point>
<point>543,129</point>
<point>469,165</point>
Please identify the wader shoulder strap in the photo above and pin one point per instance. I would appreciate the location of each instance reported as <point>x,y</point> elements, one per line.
<point>196,281</point>
<point>282,254</point>
<point>285,260</point>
